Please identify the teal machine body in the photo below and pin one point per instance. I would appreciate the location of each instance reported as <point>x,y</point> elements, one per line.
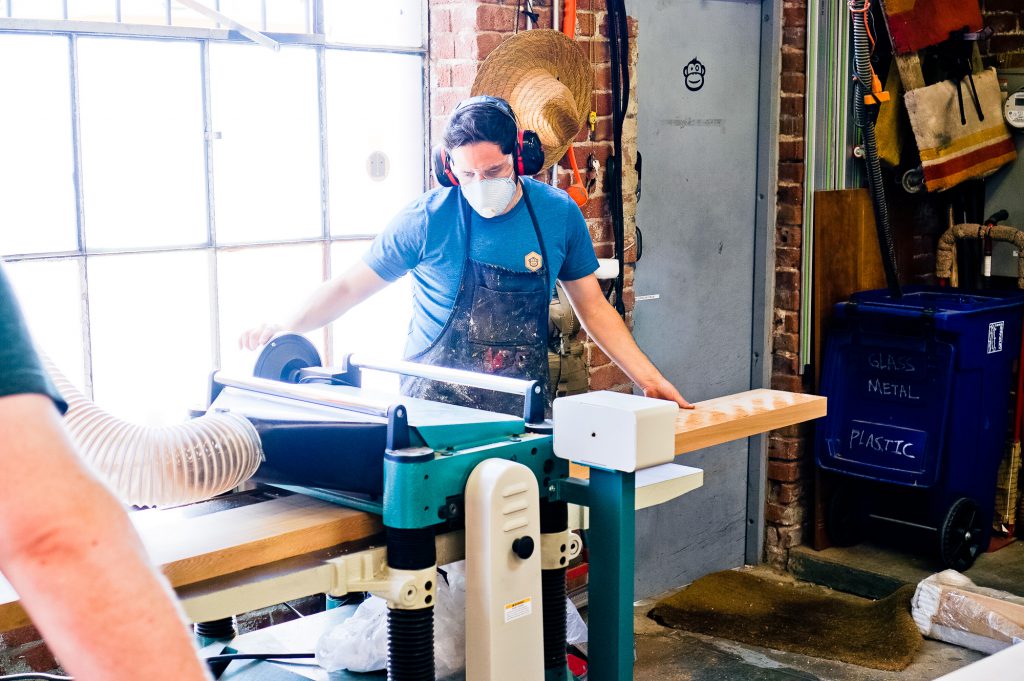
<point>410,461</point>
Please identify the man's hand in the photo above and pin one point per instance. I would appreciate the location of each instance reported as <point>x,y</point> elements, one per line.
<point>660,388</point>
<point>258,336</point>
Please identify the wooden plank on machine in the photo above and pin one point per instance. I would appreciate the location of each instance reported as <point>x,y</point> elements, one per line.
<point>733,417</point>
<point>191,550</point>
<point>194,549</point>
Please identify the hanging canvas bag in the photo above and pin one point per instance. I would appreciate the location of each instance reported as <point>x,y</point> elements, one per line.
<point>959,129</point>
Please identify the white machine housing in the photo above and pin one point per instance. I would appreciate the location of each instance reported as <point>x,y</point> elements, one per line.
<point>504,611</point>
<point>614,430</point>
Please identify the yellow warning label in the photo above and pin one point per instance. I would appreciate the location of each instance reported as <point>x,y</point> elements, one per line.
<point>518,609</point>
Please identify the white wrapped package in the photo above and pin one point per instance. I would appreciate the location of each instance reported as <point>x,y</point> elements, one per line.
<point>949,607</point>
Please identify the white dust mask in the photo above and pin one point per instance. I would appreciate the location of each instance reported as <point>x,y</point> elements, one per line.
<point>489,197</point>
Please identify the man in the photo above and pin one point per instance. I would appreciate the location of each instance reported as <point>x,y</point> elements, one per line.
<point>66,545</point>
<point>483,255</point>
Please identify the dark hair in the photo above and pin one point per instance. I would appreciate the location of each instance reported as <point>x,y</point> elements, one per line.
<point>480,123</point>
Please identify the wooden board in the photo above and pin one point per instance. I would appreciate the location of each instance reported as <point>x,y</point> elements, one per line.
<point>733,417</point>
<point>846,260</point>
<point>191,550</point>
<point>846,257</point>
<point>723,419</point>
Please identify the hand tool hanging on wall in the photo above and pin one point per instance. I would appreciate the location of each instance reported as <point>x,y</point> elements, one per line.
<point>866,102</point>
<point>618,36</point>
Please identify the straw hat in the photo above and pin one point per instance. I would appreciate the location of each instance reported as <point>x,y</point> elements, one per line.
<point>547,80</point>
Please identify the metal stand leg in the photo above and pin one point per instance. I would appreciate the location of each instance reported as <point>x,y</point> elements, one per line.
<point>612,548</point>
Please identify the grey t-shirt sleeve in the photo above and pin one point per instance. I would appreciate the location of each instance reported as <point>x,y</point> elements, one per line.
<point>400,247</point>
<point>20,369</point>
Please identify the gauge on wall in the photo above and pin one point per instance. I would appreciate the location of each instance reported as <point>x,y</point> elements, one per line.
<point>1013,109</point>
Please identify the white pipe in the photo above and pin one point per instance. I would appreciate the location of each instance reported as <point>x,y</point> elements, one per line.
<point>161,465</point>
<point>505,384</point>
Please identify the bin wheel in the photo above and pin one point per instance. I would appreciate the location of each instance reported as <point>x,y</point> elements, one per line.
<point>846,516</point>
<point>961,535</point>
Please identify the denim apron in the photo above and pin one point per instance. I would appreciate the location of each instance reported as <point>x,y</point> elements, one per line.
<point>498,325</point>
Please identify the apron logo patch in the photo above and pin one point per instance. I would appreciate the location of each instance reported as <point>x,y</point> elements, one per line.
<point>533,261</point>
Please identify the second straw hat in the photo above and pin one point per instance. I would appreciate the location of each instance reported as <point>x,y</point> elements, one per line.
<point>548,81</point>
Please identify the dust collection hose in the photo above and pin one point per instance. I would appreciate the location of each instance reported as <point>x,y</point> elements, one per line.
<point>161,465</point>
<point>863,120</point>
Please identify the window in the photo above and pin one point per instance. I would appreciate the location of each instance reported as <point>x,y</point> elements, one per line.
<point>166,183</point>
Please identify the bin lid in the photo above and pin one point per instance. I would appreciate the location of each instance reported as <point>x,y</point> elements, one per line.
<point>938,301</point>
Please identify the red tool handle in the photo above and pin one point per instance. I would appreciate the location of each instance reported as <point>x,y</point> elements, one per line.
<point>577,190</point>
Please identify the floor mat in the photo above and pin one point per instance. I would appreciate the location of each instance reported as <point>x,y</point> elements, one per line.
<point>797,618</point>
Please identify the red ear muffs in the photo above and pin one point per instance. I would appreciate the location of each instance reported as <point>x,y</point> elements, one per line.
<point>529,153</point>
<point>443,168</point>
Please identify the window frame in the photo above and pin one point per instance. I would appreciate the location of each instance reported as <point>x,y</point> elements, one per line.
<point>205,37</point>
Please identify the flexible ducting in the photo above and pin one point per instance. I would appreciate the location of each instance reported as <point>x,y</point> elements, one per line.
<point>945,255</point>
<point>863,120</point>
<point>161,465</point>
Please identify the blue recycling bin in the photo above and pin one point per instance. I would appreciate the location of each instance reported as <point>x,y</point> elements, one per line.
<point>919,412</point>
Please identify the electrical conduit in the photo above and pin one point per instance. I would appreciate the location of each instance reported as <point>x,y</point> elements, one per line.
<point>864,121</point>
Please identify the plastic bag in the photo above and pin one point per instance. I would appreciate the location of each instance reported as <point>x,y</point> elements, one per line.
<point>360,643</point>
<point>450,621</point>
<point>575,627</point>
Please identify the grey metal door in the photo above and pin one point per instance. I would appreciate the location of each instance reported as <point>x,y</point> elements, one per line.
<point>698,89</point>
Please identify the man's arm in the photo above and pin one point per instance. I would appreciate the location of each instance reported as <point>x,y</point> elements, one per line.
<point>607,329</point>
<point>329,301</point>
<point>70,552</point>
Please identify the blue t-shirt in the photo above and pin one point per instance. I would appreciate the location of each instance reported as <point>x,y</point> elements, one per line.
<point>428,239</point>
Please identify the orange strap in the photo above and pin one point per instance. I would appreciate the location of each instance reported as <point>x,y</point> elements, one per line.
<point>577,190</point>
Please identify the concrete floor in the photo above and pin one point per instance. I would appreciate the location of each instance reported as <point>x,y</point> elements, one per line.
<point>665,654</point>
<point>877,569</point>
<point>868,570</point>
<point>670,655</point>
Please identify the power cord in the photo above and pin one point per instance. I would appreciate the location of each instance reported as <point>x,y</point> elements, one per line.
<point>253,656</point>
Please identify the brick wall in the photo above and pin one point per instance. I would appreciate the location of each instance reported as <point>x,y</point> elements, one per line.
<point>789,470</point>
<point>22,651</point>
<point>1006,47</point>
<point>462,34</point>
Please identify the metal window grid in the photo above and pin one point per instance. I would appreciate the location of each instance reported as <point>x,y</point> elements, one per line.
<point>316,39</point>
